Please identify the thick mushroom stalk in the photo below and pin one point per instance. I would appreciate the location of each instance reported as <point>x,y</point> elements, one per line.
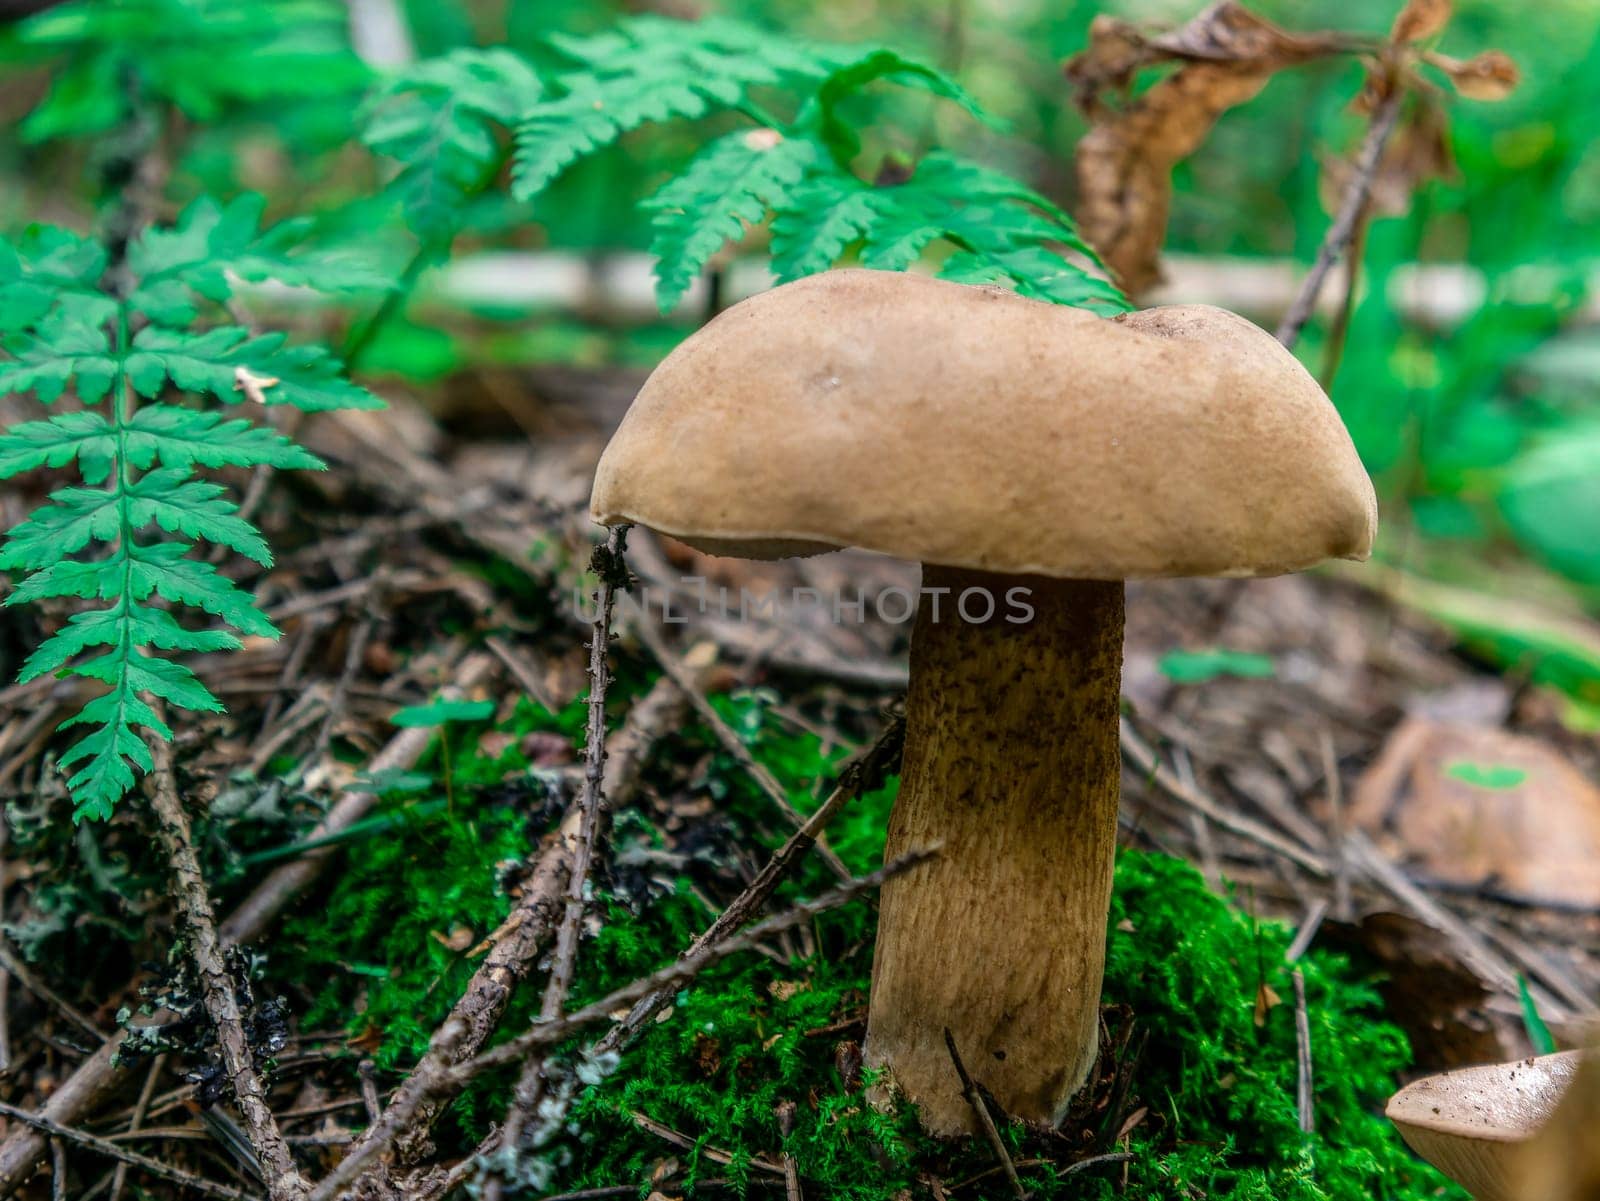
<point>1012,768</point>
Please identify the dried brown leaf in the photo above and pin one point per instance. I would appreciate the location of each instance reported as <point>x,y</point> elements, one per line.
<point>1124,164</point>
<point>1491,75</point>
<point>1420,19</point>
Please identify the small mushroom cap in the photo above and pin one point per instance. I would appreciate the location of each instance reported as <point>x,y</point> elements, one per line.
<point>1472,1123</point>
<point>972,427</point>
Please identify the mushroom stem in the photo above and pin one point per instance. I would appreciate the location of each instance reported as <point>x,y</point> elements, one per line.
<point>1012,764</point>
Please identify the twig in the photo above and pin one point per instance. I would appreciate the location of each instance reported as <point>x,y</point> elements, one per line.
<point>193,900</point>
<point>58,1170</point>
<point>863,774</point>
<point>1342,906</point>
<point>1302,1041</point>
<point>56,1130</point>
<point>1337,239</point>
<point>791,1170</point>
<point>730,741</point>
<point>980,1109</point>
<point>93,1079</point>
<point>119,1178</point>
<point>613,573</point>
<point>354,653</point>
<point>684,1143</point>
<point>550,1034</point>
<point>367,1070</point>
<point>591,801</point>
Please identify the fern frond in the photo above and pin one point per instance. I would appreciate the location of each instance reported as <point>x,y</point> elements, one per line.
<point>186,52</point>
<point>652,69</point>
<point>728,187</point>
<point>59,350</point>
<point>307,377</point>
<point>178,437</point>
<point>86,437</point>
<point>46,267</point>
<point>212,244</point>
<point>443,120</point>
<point>999,230</point>
<point>143,509</point>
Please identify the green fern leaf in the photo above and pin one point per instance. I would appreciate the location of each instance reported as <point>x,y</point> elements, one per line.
<point>138,624</point>
<point>46,266</point>
<point>442,119</point>
<point>113,752</point>
<point>164,570</point>
<point>187,53</point>
<point>307,377</point>
<point>194,508</point>
<point>85,436</point>
<point>652,69</point>
<point>73,518</point>
<point>823,218</point>
<point>59,351</point>
<point>178,437</point>
<point>729,186</point>
<point>211,244</point>
<point>838,134</point>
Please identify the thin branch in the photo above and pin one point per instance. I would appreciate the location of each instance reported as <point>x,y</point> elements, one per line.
<point>1302,1040</point>
<point>25,977</point>
<point>1344,226</point>
<point>612,569</point>
<point>141,1107</point>
<point>545,1035</point>
<point>980,1110</point>
<point>193,899</point>
<point>112,1151</point>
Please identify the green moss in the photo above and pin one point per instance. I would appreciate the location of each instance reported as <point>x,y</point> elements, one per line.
<point>1217,1087</point>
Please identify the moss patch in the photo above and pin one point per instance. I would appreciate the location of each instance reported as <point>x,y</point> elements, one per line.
<point>1191,987</point>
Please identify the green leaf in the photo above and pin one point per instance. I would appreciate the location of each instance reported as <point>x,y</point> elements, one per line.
<point>438,713</point>
<point>181,438</point>
<point>73,518</point>
<point>441,118</point>
<point>47,267</point>
<point>652,69</point>
<point>195,509</point>
<point>1544,1043</point>
<point>84,436</point>
<point>164,570</point>
<point>822,220</point>
<point>307,377</point>
<point>60,350</point>
<point>839,135</point>
<point>730,185</point>
<point>210,244</point>
<point>1495,776</point>
<point>1551,501</point>
<point>1197,667</point>
<point>137,625</point>
<point>202,56</point>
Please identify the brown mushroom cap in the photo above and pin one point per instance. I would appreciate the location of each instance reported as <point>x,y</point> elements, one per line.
<point>972,427</point>
<point>1472,1123</point>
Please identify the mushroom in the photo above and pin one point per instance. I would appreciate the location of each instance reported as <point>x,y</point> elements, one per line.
<point>1475,1124</point>
<point>1032,457</point>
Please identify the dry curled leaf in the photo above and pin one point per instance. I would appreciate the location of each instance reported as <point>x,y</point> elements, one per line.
<point>1124,164</point>
<point>252,385</point>
<point>1419,20</point>
<point>1487,76</point>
